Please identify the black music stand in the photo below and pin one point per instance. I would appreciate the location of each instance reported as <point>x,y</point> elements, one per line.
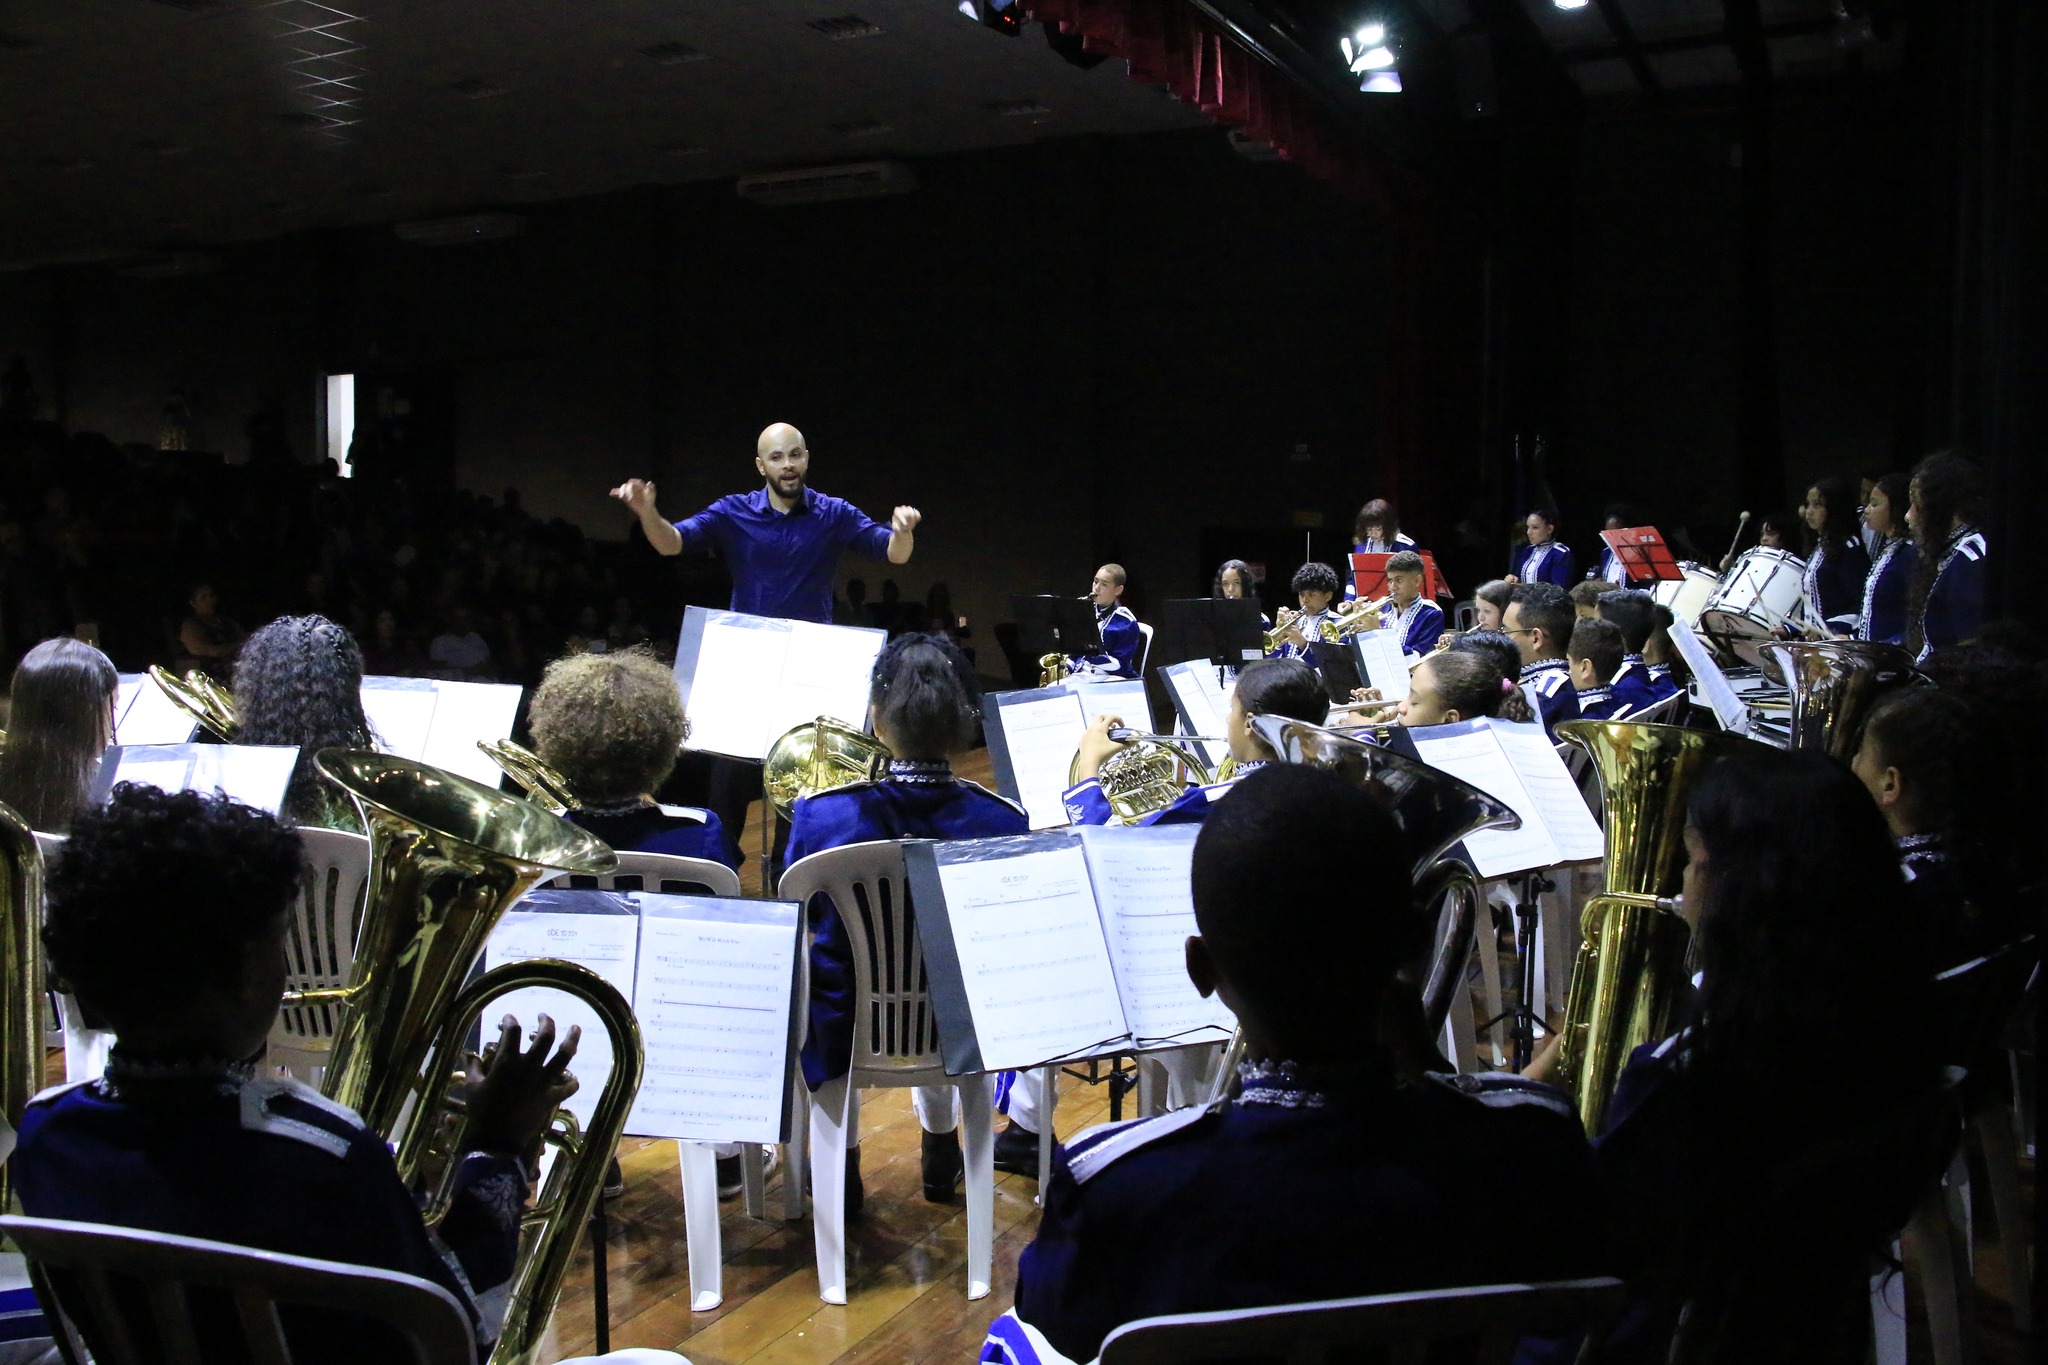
<point>1223,630</point>
<point>1643,551</point>
<point>1339,667</point>
<point>1056,625</point>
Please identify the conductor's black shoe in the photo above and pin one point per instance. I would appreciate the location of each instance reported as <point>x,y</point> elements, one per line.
<point>614,1180</point>
<point>943,1166</point>
<point>856,1194</point>
<point>1017,1151</point>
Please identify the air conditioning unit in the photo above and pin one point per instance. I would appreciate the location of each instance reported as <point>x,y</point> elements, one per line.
<point>821,184</point>
<point>472,227</point>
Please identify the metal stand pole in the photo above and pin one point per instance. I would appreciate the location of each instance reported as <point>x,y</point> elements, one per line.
<point>600,1282</point>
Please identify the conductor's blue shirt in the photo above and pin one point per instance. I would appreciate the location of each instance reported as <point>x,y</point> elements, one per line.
<point>783,563</point>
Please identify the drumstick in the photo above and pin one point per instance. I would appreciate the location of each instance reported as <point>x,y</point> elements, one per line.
<point>1738,533</point>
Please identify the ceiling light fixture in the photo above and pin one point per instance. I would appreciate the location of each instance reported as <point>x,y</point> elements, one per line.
<point>1367,49</point>
<point>1570,4</point>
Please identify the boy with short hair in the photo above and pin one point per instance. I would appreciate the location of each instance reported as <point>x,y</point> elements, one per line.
<point>1315,586</point>
<point>1419,622</point>
<point>1596,653</point>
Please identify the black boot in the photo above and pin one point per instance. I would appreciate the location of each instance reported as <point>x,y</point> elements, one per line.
<point>943,1166</point>
<point>856,1193</point>
<point>1017,1151</point>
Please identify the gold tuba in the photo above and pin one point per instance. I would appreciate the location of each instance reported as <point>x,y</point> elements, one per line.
<point>1631,960</point>
<point>541,782</point>
<point>200,697</point>
<point>1834,684</point>
<point>818,756</point>
<point>21,1005</point>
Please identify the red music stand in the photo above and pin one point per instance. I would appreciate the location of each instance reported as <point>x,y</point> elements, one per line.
<point>1369,576</point>
<point>1643,553</point>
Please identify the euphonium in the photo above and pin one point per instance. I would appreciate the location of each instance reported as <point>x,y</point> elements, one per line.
<point>21,1004</point>
<point>200,697</point>
<point>1834,683</point>
<point>447,856</point>
<point>818,756</point>
<point>536,777</point>
<point>1631,960</point>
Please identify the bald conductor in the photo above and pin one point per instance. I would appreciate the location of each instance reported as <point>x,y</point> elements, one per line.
<point>782,541</point>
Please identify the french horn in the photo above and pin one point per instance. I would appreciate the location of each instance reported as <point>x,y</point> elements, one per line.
<point>816,756</point>
<point>201,698</point>
<point>540,780</point>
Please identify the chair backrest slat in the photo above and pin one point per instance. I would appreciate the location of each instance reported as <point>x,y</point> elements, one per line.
<point>321,942</point>
<point>866,883</point>
<point>261,1328</point>
<point>668,873</point>
<point>171,1315</point>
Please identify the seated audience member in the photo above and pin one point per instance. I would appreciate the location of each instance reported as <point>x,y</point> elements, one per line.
<point>1751,1183</point>
<point>1122,641</point>
<point>390,654</point>
<point>1635,613</point>
<point>1336,1169</point>
<point>1419,623</point>
<point>1586,594</point>
<point>459,651</point>
<point>208,641</point>
<point>1315,587</point>
<point>60,722</point>
<point>1269,687</point>
<point>1595,653</point>
<point>299,681</point>
<point>925,704</point>
<point>1460,685</point>
<point>168,915</point>
<point>611,725</point>
<point>1539,620</point>
<point>1544,559</point>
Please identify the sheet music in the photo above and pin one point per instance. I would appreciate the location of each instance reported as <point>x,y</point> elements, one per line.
<point>1124,697</point>
<point>746,680</point>
<point>465,712</point>
<point>1550,786</point>
<point>1469,751</point>
<point>1029,941</point>
<point>1203,705</point>
<point>144,714</point>
<point>1708,676</point>
<point>594,929</point>
<point>1040,736</point>
<point>1381,661</point>
<point>714,998</point>
<point>254,774</point>
<point>1146,903</point>
<point>401,712</point>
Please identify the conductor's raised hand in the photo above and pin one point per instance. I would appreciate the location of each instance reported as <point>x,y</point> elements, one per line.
<point>904,520</point>
<point>637,494</point>
<point>512,1094</point>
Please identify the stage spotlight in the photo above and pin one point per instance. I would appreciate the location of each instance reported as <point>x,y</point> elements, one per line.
<point>1381,83</point>
<point>1367,49</point>
<point>1570,4</point>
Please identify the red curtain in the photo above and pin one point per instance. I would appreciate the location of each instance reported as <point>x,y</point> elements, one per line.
<point>1170,43</point>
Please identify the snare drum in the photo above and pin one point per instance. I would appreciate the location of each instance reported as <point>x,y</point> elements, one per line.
<point>1759,594</point>
<point>1687,596</point>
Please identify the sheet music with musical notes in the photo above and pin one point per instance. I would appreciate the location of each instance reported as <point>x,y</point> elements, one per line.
<point>439,722</point>
<point>1145,898</point>
<point>145,714</point>
<point>1517,764</point>
<point>1708,676</point>
<point>746,680</point>
<point>1032,736</point>
<point>1382,663</point>
<point>254,774</point>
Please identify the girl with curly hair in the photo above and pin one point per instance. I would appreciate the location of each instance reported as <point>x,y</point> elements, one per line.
<point>299,680</point>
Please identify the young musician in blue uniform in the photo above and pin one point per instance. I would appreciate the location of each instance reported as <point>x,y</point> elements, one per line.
<point>925,705</point>
<point>1419,622</point>
<point>1888,586</point>
<point>1123,644</point>
<point>611,725</point>
<point>1539,621</point>
<point>1234,580</point>
<point>1269,687</point>
<point>1594,657</point>
<point>1343,1164</point>
<point>1315,587</point>
<point>1946,603</point>
<point>1832,589</point>
<point>1376,531</point>
<point>168,914</point>
<point>1461,684</point>
<point>1635,613</point>
<point>1545,559</point>
<point>782,544</point>
<point>1750,1187</point>
<point>1612,569</point>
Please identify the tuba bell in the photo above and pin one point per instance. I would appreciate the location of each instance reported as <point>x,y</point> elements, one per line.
<point>542,783</point>
<point>1834,684</point>
<point>21,1004</point>
<point>1631,960</point>
<point>201,698</point>
<point>816,756</point>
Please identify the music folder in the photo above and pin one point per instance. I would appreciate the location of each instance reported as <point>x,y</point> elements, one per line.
<point>253,774</point>
<point>712,982</point>
<point>746,680</point>
<point>1042,948</point>
<point>1034,732</point>
<point>1518,764</point>
<point>1644,552</point>
<point>1056,625</point>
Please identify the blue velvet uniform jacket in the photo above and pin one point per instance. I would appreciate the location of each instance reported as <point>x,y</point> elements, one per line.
<point>1885,590</point>
<point>1550,562</point>
<point>1636,687</point>
<point>1285,1195</point>
<point>1600,703</point>
<point>1955,603</point>
<point>683,831</point>
<point>1831,592</point>
<point>269,1164</point>
<point>1122,643</point>
<point>1309,624</point>
<point>917,801</point>
<point>1549,681</point>
<point>783,564</point>
<point>1424,625</point>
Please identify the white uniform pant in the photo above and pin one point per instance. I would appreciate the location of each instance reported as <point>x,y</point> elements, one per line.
<point>1020,1094</point>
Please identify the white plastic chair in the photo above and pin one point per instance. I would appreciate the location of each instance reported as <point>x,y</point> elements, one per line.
<point>85,1047</point>
<point>1145,650</point>
<point>667,873</point>
<point>320,946</point>
<point>895,1044</point>
<point>132,1294</point>
<point>1486,1321</point>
